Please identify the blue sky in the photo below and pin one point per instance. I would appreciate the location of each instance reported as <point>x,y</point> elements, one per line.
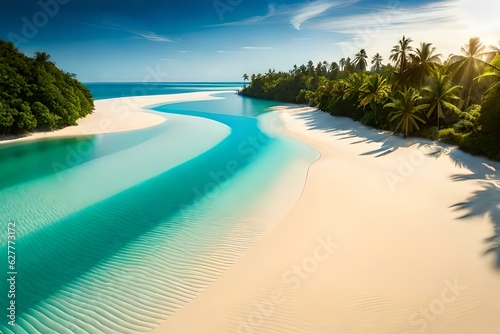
<point>219,40</point>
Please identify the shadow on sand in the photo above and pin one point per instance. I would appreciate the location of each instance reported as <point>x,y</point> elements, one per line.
<point>484,202</point>
<point>345,128</point>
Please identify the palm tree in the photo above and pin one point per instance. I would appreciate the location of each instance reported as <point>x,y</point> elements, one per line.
<point>400,53</point>
<point>42,57</point>
<point>320,69</point>
<point>323,92</point>
<point>374,91</point>
<point>377,62</point>
<point>441,96</point>
<point>360,60</point>
<point>495,51</point>
<point>310,67</point>
<point>334,67</point>
<point>339,91</point>
<point>492,73</point>
<point>333,70</point>
<point>423,62</point>
<point>353,83</point>
<point>325,67</point>
<point>469,65</point>
<point>348,66</point>
<point>406,108</point>
<point>303,69</point>
<point>342,63</point>
<point>245,78</point>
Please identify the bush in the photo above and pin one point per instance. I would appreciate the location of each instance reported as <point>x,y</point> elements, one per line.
<point>468,119</point>
<point>449,136</point>
<point>304,96</point>
<point>369,118</point>
<point>482,144</point>
<point>431,133</point>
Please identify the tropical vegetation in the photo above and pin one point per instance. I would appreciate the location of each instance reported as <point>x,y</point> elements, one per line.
<point>456,100</point>
<point>36,95</point>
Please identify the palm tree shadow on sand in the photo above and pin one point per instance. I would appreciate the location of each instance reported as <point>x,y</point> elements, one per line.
<point>345,128</point>
<point>483,202</point>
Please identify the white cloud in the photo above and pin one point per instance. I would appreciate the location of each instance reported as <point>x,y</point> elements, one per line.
<point>313,9</point>
<point>251,20</point>
<point>391,18</point>
<point>295,14</point>
<point>446,24</point>
<point>148,35</point>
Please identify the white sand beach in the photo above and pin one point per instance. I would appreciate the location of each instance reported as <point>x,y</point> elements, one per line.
<point>375,244</point>
<point>116,115</point>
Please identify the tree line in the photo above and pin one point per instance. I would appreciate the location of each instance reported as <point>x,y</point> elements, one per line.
<point>36,95</point>
<point>456,100</point>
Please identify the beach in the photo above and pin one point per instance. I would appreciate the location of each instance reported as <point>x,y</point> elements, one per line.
<point>115,115</point>
<point>375,234</point>
<point>375,244</point>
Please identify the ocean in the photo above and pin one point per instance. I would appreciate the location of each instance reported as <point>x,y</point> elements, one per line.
<point>117,238</point>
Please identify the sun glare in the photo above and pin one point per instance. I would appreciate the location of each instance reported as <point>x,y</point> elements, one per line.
<point>480,16</point>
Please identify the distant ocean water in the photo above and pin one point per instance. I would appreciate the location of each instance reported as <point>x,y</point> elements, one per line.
<point>91,260</point>
<point>120,89</point>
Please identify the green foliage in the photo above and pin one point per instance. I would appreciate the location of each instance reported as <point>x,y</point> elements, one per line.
<point>441,96</point>
<point>400,54</point>
<point>305,96</point>
<point>429,133</point>
<point>35,94</point>
<point>450,136</point>
<point>489,120</point>
<point>360,60</point>
<point>469,120</point>
<point>439,92</point>
<point>406,109</point>
<point>484,144</point>
<point>466,67</point>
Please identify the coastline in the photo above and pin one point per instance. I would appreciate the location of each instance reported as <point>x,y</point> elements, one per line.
<point>375,243</point>
<point>115,115</point>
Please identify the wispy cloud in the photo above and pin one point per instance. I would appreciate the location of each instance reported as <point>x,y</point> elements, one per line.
<point>433,22</point>
<point>148,35</point>
<point>251,20</point>
<point>390,18</point>
<point>259,48</point>
<point>314,9</point>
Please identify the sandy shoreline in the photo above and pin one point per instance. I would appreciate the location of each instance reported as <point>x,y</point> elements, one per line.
<point>116,115</point>
<point>374,245</point>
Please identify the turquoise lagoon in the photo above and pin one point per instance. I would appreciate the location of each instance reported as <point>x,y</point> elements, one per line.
<point>115,233</point>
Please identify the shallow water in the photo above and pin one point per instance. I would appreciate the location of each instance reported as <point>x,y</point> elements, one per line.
<point>134,225</point>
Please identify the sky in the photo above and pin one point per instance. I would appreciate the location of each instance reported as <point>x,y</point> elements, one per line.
<point>220,40</point>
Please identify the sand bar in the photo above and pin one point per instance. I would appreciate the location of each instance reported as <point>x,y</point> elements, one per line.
<point>375,244</point>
